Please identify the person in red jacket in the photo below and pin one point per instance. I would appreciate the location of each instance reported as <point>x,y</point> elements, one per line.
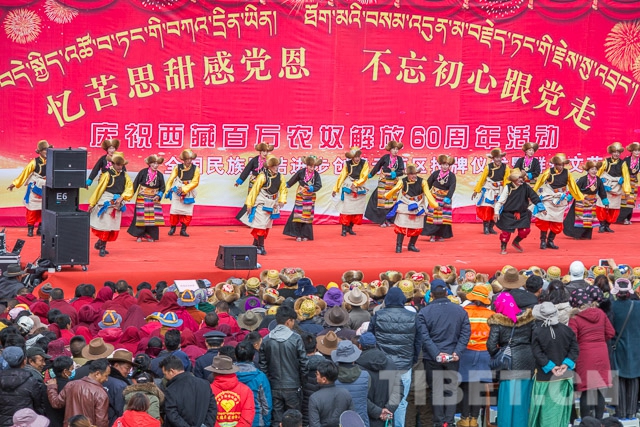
<point>135,414</point>
<point>235,400</point>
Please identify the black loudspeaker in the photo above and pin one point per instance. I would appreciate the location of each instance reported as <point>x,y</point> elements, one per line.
<point>61,200</point>
<point>237,257</point>
<point>65,237</point>
<point>66,168</point>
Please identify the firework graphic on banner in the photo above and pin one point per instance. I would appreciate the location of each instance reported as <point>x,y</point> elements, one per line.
<point>59,13</point>
<point>623,44</point>
<point>636,68</point>
<point>501,9</point>
<point>22,26</point>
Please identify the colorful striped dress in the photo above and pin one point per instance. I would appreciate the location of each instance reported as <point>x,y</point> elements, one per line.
<point>581,218</point>
<point>392,168</point>
<point>439,219</point>
<point>300,223</point>
<point>147,215</point>
<point>628,202</point>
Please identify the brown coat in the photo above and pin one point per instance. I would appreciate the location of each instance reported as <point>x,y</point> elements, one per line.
<point>85,396</point>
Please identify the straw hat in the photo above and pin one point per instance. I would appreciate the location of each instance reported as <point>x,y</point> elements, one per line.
<point>616,146</point>
<point>353,152</point>
<point>107,143</point>
<point>188,154</point>
<point>528,145</point>
<point>393,144</point>
<point>560,159</point>
<point>327,343</point>
<point>511,279</point>
<point>154,158</point>
<point>97,349</point>
<point>263,146</point>
<point>271,278</point>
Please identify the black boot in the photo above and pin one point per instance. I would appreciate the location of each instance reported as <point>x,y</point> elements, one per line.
<point>183,231</point>
<point>261,249</point>
<point>350,230</point>
<point>39,230</point>
<point>399,240</point>
<point>30,230</point>
<point>550,243</point>
<point>603,227</point>
<point>412,244</point>
<point>172,230</point>
<point>344,231</point>
<point>491,230</point>
<point>255,242</point>
<point>503,248</point>
<point>485,227</point>
<point>543,240</point>
<point>516,244</point>
<point>98,245</point>
<point>103,249</point>
<point>609,230</point>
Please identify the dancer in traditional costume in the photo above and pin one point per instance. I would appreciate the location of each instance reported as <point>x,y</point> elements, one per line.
<point>182,184</point>
<point>529,164</point>
<point>443,185</point>
<point>392,167</point>
<point>104,162</point>
<point>581,218</point>
<point>614,174</point>
<point>512,210</point>
<point>254,167</point>
<point>494,176</point>
<point>267,196</point>
<point>410,208</point>
<point>147,217</point>
<point>107,202</point>
<point>34,176</point>
<point>300,223</point>
<point>556,188</point>
<point>628,202</point>
<point>353,194</point>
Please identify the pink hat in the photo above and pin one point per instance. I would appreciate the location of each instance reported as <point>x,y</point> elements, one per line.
<point>28,418</point>
<point>506,305</point>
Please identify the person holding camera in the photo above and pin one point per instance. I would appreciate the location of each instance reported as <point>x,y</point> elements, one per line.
<point>445,331</point>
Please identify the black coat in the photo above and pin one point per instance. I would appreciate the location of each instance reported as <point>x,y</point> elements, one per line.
<point>381,394</point>
<point>547,348</point>
<point>18,390</point>
<point>522,357</point>
<point>444,328</point>
<point>523,298</point>
<point>283,359</point>
<point>310,386</point>
<point>397,335</point>
<point>189,401</point>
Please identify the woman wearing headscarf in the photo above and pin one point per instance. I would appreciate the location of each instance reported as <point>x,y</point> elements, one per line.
<point>474,362</point>
<point>593,329</point>
<point>300,223</point>
<point>147,217</point>
<point>512,327</point>
<point>626,347</point>
<point>147,302</point>
<point>392,167</point>
<point>443,184</point>
<point>555,350</point>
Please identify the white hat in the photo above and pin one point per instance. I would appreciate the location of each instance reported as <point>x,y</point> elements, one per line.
<point>576,270</point>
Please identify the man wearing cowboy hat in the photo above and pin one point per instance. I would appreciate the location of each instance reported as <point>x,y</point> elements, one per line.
<point>149,184</point>
<point>614,174</point>
<point>121,363</point>
<point>235,400</point>
<point>107,202</point>
<point>358,315</point>
<point>34,176</point>
<point>182,184</point>
<point>10,282</point>
<point>493,178</point>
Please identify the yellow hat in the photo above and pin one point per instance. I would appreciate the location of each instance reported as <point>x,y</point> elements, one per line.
<point>332,285</point>
<point>253,283</point>
<point>407,288</point>
<point>554,272</point>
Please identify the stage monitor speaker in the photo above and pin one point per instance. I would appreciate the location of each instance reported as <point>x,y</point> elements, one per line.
<point>61,199</point>
<point>65,237</point>
<point>66,168</point>
<point>237,257</point>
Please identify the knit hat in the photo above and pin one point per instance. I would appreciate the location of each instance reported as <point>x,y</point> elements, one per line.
<point>622,285</point>
<point>547,312</point>
<point>554,272</point>
<point>13,356</point>
<point>579,297</point>
<point>367,340</point>
<point>576,270</point>
<point>333,297</point>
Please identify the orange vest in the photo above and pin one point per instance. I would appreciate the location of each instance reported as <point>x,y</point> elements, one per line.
<point>479,328</point>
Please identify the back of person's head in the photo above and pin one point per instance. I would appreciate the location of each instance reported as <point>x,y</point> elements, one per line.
<point>611,422</point>
<point>171,363</point>
<point>15,340</point>
<point>79,291</point>
<point>57,294</point>
<point>52,314</point>
<point>172,340</point>
<point>310,343</point>
<point>253,337</point>
<point>228,350</point>
<point>88,290</point>
<point>328,370</point>
<point>602,281</point>
<point>285,313</point>
<point>138,402</point>
<point>211,319</point>
<point>79,421</point>
<point>291,418</point>
<point>142,363</point>
<point>76,345</point>
<point>534,283</point>
<point>222,307</point>
<point>110,284</point>
<point>122,287</point>
<point>60,364</point>
<point>143,285</point>
<point>245,352</point>
<point>63,321</point>
<point>98,365</point>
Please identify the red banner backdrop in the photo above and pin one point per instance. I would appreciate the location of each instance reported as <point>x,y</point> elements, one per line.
<point>444,76</point>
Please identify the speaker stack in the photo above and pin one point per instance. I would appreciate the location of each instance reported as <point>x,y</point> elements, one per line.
<point>65,228</point>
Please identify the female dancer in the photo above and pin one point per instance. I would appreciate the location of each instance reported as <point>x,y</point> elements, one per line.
<point>443,185</point>
<point>104,162</point>
<point>614,174</point>
<point>392,167</point>
<point>182,183</point>
<point>493,178</point>
<point>300,223</point>
<point>149,184</point>
<point>267,196</point>
<point>350,185</point>
<point>581,218</point>
<point>529,164</point>
<point>628,202</point>
<point>34,175</point>
<point>410,207</point>
<point>255,166</point>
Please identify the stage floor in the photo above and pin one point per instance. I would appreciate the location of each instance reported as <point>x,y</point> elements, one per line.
<point>325,258</point>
